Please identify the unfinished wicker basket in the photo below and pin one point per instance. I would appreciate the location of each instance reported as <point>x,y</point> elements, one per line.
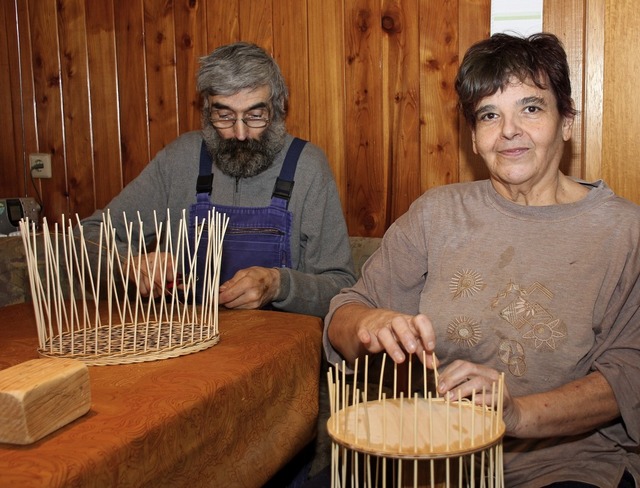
<point>93,311</point>
<point>413,441</point>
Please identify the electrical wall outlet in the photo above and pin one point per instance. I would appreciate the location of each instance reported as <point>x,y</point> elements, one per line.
<point>40,165</point>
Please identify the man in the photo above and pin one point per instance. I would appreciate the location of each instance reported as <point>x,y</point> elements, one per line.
<point>233,164</point>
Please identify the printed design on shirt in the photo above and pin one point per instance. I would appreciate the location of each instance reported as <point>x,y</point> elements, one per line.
<point>464,332</point>
<point>466,283</point>
<point>526,314</point>
<point>545,334</point>
<point>512,354</point>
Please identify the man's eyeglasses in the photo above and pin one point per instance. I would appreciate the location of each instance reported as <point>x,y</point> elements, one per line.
<point>252,120</point>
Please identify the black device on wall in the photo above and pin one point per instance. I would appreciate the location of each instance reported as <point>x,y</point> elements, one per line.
<point>12,210</point>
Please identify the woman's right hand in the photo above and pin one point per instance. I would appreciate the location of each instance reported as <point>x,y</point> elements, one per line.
<point>356,330</point>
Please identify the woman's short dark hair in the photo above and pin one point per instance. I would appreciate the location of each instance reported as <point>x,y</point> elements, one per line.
<point>242,65</point>
<point>488,66</point>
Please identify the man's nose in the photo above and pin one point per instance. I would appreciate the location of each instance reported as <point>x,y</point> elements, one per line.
<point>240,130</point>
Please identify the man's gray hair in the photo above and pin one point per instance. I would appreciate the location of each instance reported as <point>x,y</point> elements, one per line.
<point>238,66</point>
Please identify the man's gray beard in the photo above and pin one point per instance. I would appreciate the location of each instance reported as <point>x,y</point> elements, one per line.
<point>243,159</point>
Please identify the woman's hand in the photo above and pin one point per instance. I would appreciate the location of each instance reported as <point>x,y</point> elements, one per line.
<point>356,330</point>
<point>461,378</point>
<point>540,415</point>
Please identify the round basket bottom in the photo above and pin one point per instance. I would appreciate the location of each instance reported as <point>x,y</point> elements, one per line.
<point>130,343</point>
<point>416,428</point>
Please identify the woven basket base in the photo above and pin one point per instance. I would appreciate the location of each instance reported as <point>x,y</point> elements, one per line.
<point>130,343</point>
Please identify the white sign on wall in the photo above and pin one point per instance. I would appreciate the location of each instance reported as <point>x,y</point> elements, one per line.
<point>522,17</point>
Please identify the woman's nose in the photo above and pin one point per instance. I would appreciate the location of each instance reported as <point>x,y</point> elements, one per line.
<point>510,127</point>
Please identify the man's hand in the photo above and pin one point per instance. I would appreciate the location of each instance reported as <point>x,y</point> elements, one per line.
<point>153,273</point>
<point>250,288</point>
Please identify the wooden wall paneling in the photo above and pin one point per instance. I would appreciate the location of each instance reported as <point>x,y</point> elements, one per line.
<point>47,83</point>
<point>223,24</point>
<point>592,128</point>
<point>105,117</point>
<point>160,48</point>
<point>401,103</point>
<point>356,90</point>
<point>191,44</point>
<point>290,20</point>
<point>620,116</point>
<point>439,63</point>
<point>12,174</point>
<point>565,20</point>
<point>75,96</point>
<point>255,21</point>
<point>132,87</point>
<point>327,100</point>
<point>367,166</point>
<point>474,24</point>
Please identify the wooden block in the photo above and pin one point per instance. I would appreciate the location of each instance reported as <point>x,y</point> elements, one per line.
<point>40,396</point>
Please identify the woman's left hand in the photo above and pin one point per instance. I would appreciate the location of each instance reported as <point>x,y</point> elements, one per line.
<point>461,378</point>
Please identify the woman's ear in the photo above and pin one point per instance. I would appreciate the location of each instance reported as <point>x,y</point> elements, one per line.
<point>473,141</point>
<point>567,128</point>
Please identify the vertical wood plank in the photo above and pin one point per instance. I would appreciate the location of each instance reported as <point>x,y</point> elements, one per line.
<point>48,93</point>
<point>401,103</point>
<point>327,86</point>
<point>439,61</point>
<point>474,24</point>
<point>161,73</point>
<point>223,25</point>
<point>75,93</point>
<point>367,177</point>
<point>12,175</point>
<point>191,44</point>
<point>255,23</point>
<point>593,59</point>
<point>565,20</point>
<point>620,118</point>
<point>132,87</point>
<point>27,121</point>
<point>291,52</point>
<point>105,120</point>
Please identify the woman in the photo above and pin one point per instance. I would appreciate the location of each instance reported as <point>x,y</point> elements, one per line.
<point>531,273</point>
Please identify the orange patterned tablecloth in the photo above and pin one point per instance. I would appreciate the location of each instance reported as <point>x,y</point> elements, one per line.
<point>228,416</point>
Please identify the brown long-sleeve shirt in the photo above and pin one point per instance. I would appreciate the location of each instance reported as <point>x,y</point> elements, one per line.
<point>546,294</point>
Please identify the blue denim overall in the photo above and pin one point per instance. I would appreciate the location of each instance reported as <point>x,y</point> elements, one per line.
<point>255,236</point>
